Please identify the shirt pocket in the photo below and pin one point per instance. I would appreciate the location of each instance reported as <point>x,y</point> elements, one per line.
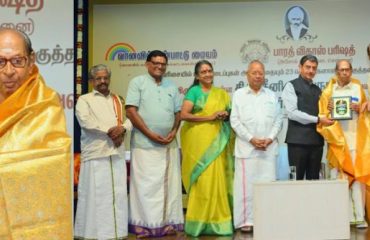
<point>169,102</point>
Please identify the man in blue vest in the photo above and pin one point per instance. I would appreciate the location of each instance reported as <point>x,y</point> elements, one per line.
<point>300,97</point>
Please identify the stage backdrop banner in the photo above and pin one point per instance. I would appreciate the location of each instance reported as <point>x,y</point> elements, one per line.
<point>49,24</point>
<point>230,35</point>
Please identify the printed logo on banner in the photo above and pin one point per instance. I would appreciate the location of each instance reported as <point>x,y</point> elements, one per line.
<point>129,57</point>
<point>296,25</point>
<point>118,49</point>
<point>254,50</point>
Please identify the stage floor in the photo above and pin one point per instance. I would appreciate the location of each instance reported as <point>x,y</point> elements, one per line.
<point>356,234</point>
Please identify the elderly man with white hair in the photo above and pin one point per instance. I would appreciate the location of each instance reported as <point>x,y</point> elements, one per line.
<point>297,28</point>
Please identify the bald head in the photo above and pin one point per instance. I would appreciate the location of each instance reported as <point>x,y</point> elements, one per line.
<point>343,70</point>
<point>341,62</point>
<point>25,39</point>
<point>16,61</point>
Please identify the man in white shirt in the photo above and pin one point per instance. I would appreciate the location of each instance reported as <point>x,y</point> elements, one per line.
<point>256,118</point>
<point>102,191</point>
<point>348,158</point>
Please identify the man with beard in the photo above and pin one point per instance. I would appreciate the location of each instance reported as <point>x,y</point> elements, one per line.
<point>102,191</point>
<point>297,28</point>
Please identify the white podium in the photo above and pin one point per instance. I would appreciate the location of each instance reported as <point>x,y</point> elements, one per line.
<point>301,210</point>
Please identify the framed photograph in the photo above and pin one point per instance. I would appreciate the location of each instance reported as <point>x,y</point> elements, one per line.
<point>341,108</point>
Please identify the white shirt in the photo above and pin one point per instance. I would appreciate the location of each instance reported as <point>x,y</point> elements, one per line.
<point>96,115</point>
<point>255,115</point>
<point>290,101</point>
<point>349,127</point>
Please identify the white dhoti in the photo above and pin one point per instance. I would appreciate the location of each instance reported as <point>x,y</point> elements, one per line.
<point>247,172</point>
<point>356,195</point>
<point>155,207</point>
<point>102,200</point>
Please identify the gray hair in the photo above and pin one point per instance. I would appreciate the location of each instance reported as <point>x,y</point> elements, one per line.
<point>256,61</point>
<point>343,60</point>
<point>97,68</point>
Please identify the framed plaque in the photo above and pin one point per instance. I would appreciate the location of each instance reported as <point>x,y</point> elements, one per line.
<point>341,108</point>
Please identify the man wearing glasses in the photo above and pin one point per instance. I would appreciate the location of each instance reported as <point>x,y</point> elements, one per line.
<point>153,106</point>
<point>348,158</point>
<point>35,189</point>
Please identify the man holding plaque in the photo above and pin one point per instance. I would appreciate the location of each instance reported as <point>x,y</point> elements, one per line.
<point>347,159</point>
<point>300,97</point>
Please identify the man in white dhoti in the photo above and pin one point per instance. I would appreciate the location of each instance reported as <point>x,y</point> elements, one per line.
<point>348,138</point>
<point>256,118</point>
<point>102,191</point>
<point>153,106</point>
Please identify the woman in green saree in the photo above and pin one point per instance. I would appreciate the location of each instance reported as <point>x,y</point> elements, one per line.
<point>207,165</point>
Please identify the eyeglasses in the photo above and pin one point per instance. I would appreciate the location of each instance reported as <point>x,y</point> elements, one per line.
<point>17,62</point>
<point>344,70</point>
<point>157,64</point>
<point>101,79</point>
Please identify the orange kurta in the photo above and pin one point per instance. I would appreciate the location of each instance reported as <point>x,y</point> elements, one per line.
<point>35,178</point>
<point>338,153</point>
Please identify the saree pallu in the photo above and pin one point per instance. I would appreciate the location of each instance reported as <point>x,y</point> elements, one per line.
<point>338,153</point>
<point>35,179</point>
<point>207,170</point>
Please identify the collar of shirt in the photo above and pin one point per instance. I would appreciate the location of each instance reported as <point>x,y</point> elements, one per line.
<point>248,90</point>
<point>98,93</point>
<point>347,86</point>
<point>154,81</point>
